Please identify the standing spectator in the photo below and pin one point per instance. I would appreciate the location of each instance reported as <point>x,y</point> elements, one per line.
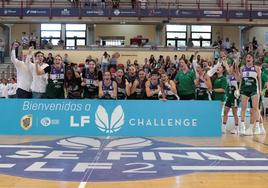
<point>32,39</point>
<point>50,59</point>
<point>254,44</point>
<point>24,76</point>
<point>105,62</point>
<point>227,45</point>
<point>39,82</point>
<point>2,51</point>
<point>66,60</point>
<point>3,89</point>
<point>11,88</point>
<point>25,40</point>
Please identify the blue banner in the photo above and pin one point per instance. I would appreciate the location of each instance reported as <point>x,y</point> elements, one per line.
<point>110,118</point>
<point>129,12</point>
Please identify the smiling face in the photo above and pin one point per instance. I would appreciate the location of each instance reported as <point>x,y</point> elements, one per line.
<point>58,60</point>
<point>249,59</point>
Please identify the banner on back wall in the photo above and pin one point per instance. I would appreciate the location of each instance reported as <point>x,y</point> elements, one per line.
<point>110,118</point>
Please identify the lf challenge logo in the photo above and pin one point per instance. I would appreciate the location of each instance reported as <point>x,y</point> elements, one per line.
<point>102,120</point>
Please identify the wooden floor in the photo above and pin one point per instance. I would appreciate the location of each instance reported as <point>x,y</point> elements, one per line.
<point>193,180</point>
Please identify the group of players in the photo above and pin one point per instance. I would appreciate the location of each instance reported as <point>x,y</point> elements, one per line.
<point>227,81</point>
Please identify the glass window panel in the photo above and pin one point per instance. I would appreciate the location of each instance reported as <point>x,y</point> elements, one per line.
<point>206,43</point>
<point>174,35</point>
<point>55,41</point>
<point>196,43</point>
<point>70,42</point>
<point>81,42</point>
<point>76,33</point>
<point>171,42</point>
<point>176,28</point>
<point>53,34</point>
<point>75,27</point>
<point>201,28</point>
<point>181,43</point>
<point>52,27</point>
<point>203,35</point>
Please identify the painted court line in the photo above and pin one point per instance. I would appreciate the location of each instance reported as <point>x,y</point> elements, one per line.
<point>228,168</point>
<point>89,171</point>
<point>200,148</point>
<point>24,146</point>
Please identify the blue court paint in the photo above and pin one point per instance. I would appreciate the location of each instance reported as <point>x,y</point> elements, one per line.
<point>122,159</point>
<point>110,118</point>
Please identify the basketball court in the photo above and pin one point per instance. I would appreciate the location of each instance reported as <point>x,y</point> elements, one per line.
<point>120,162</point>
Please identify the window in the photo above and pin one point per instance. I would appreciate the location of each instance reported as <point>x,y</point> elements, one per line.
<point>176,35</point>
<point>112,41</point>
<point>75,35</point>
<point>201,35</point>
<point>51,31</point>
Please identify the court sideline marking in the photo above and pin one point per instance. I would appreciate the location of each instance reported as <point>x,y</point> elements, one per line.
<point>88,172</point>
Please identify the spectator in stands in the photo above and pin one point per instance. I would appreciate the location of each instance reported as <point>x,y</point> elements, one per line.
<point>105,61</point>
<point>24,76</point>
<point>72,84</point>
<point>255,43</point>
<point>227,45</point>
<point>32,39</point>
<point>146,66</point>
<point>216,53</point>
<point>3,88</point>
<point>2,51</point>
<point>39,82</point>
<point>49,44</point>
<point>113,60</point>
<point>12,88</point>
<point>152,62</point>
<point>190,43</point>
<point>143,4</point>
<point>50,59</point>
<point>160,62</point>
<point>66,60</point>
<point>25,40</point>
<point>175,61</point>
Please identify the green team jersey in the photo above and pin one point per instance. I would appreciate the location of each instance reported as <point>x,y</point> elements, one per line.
<point>264,79</point>
<point>185,82</point>
<point>220,82</point>
<point>230,61</point>
<point>265,59</point>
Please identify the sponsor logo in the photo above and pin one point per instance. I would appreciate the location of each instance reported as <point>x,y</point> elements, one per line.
<point>102,119</point>
<point>46,121</point>
<point>10,12</point>
<point>117,12</point>
<point>26,122</point>
<point>65,12</point>
<point>122,159</point>
<point>36,12</point>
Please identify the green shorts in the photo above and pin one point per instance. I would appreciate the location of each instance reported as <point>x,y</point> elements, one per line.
<point>232,102</point>
<point>248,93</point>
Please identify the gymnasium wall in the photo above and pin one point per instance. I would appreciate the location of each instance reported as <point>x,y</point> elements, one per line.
<point>259,33</point>
<point>128,31</point>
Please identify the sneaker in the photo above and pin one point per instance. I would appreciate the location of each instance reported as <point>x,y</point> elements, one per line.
<point>262,129</point>
<point>257,130</point>
<point>223,128</point>
<point>242,129</point>
<point>235,130</point>
<point>249,131</point>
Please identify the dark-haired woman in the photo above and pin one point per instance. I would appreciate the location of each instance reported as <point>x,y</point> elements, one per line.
<point>107,88</point>
<point>219,85</point>
<point>72,84</point>
<point>55,86</point>
<point>91,78</point>
<point>202,83</point>
<point>185,81</point>
<point>138,87</point>
<point>168,88</point>
<point>123,89</point>
<point>152,86</point>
